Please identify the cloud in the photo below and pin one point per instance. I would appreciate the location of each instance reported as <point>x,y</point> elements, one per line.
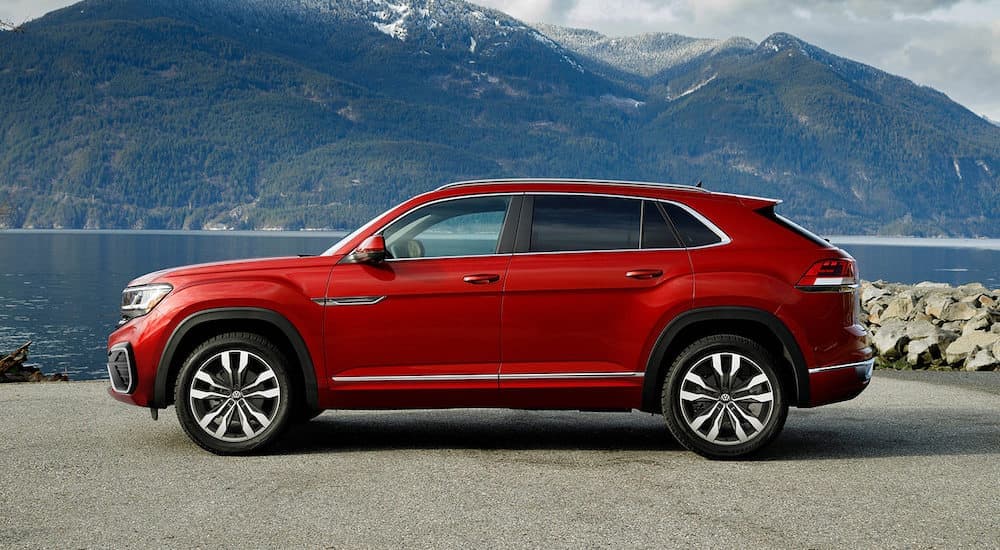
<point>950,45</point>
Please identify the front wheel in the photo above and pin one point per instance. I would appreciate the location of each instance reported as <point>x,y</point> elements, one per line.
<point>233,394</point>
<point>722,397</point>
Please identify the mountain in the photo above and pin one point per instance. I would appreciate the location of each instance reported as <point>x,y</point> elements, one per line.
<point>320,113</point>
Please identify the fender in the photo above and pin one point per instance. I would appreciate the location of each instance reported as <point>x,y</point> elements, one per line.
<point>655,367</point>
<point>161,393</point>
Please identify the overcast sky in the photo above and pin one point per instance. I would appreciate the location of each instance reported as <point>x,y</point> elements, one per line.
<point>951,45</point>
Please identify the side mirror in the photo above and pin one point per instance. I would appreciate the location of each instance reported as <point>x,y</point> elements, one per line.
<point>370,251</point>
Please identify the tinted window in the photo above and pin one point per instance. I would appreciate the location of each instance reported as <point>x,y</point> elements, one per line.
<point>460,227</point>
<point>656,232</point>
<point>692,231</point>
<point>566,222</point>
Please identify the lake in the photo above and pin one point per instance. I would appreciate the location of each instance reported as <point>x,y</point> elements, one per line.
<point>61,289</point>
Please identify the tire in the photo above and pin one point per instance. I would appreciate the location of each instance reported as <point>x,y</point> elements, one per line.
<point>213,403</point>
<point>722,397</point>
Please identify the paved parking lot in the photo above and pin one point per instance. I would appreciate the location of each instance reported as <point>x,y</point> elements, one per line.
<point>912,463</point>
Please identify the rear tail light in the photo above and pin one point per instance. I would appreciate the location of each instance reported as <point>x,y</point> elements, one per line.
<point>838,275</point>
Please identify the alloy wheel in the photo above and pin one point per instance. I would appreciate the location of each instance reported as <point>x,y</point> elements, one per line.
<point>726,398</point>
<point>234,395</point>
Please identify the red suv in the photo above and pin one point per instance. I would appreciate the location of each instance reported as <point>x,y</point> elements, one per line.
<point>529,294</point>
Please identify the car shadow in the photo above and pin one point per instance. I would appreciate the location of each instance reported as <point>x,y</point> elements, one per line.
<point>478,429</point>
<point>808,435</point>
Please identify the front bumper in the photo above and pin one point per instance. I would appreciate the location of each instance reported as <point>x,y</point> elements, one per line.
<point>839,382</point>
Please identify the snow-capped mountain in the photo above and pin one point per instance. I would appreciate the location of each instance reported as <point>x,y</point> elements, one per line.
<point>645,54</point>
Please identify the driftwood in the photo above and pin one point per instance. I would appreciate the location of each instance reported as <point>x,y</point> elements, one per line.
<point>15,359</point>
<point>14,369</point>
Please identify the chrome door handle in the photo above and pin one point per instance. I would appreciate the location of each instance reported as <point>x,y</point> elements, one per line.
<point>481,278</point>
<point>644,273</point>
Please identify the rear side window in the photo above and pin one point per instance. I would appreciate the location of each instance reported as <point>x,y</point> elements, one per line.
<point>567,222</point>
<point>691,230</point>
<point>656,231</point>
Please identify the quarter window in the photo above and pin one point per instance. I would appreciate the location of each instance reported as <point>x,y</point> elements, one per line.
<point>692,231</point>
<point>460,227</point>
<point>566,223</point>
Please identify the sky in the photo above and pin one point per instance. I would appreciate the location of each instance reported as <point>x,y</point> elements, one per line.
<point>950,45</point>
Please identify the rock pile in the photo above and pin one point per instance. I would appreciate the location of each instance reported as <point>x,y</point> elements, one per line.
<point>933,325</point>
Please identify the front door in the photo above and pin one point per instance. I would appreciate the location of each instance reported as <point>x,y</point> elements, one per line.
<point>422,329</point>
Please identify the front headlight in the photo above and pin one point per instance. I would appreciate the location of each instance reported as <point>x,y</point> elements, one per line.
<point>140,300</point>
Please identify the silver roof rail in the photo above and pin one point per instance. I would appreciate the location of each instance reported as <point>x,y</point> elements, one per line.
<point>570,181</point>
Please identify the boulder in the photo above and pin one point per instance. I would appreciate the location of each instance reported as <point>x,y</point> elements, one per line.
<point>987,301</point>
<point>966,344</point>
<point>958,311</point>
<point>980,322</point>
<point>891,339</point>
<point>981,360</point>
<point>921,329</point>
<point>900,307</point>
<point>921,353</point>
<point>996,349</point>
<point>972,288</point>
<point>869,292</point>
<point>936,304</point>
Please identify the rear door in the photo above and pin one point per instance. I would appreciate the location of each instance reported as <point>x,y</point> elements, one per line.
<point>592,278</point>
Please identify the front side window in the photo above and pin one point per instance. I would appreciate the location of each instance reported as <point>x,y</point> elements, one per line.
<point>567,223</point>
<point>460,227</point>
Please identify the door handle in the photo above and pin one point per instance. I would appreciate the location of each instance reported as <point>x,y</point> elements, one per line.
<point>644,273</point>
<point>481,278</point>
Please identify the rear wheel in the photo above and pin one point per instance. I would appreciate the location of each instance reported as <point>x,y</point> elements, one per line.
<point>233,394</point>
<point>722,397</point>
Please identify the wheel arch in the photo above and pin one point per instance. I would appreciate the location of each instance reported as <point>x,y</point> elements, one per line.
<point>200,326</point>
<point>755,324</point>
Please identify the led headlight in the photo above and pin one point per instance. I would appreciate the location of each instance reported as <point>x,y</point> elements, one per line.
<point>140,300</point>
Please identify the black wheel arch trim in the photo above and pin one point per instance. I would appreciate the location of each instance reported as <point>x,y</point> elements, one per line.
<point>655,368</point>
<point>161,393</point>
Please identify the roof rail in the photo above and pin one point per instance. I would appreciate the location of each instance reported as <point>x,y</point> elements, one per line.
<point>571,181</point>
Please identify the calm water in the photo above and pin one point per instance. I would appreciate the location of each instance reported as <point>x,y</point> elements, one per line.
<point>62,289</point>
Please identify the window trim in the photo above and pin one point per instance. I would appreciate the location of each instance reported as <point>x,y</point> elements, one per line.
<point>507,230</point>
<point>523,240</point>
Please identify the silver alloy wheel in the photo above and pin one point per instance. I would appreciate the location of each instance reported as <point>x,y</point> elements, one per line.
<point>234,395</point>
<point>726,399</point>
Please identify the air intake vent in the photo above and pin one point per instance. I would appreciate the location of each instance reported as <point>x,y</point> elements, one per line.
<point>121,368</point>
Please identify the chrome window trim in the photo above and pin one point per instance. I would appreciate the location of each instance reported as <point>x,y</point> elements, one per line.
<point>711,226</point>
<point>499,377</point>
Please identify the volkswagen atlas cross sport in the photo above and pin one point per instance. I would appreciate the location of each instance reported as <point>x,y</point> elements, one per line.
<point>527,294</point>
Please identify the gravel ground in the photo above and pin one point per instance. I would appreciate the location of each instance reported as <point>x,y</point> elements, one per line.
<point>913,462</point>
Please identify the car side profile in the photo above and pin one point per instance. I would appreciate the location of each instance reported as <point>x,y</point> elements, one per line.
<point>705,307</point>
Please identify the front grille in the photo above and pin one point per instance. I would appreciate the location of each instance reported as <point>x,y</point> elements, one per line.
<point>121,368</point>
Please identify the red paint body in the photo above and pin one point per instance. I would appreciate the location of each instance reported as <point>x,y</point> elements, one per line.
<point>518,329</point>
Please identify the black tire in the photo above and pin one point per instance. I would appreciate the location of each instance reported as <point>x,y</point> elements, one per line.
<point>722,397</point>
<point>210,400</point>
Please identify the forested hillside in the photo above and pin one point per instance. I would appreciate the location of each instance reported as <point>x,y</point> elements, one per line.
<point>318,114</point>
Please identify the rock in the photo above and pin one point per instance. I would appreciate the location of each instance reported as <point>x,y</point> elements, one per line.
<point>996,349</point>
<point>930,285</point>
<point>921,329</point>
<point>891,339</point>
<point>871,292</point>
<point>936,304</point>
<point>980,322</point>
<point>900,307</point>
<point>958,311</point>
<point>921,353</point>
<point>972,288</point>
<point>987,301</point>
<point>966,344</point>
<point>36,376</point>
<point>982,360</point>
